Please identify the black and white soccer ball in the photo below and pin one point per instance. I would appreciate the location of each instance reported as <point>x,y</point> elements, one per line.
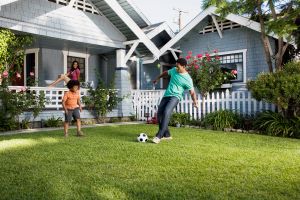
<point>142,137</point>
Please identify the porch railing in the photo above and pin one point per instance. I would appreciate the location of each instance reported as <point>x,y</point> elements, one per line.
<point>53,95</point>
<point>145,103</point>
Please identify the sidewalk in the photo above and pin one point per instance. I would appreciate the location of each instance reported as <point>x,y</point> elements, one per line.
<point>61,128</point>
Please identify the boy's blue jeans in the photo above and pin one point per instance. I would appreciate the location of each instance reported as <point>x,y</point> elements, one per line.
<point>165,110</point>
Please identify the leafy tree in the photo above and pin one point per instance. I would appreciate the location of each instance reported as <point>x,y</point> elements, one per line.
<point>12,51</point>
<point>275,16</point>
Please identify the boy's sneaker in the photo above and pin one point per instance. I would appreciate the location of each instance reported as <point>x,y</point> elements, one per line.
<point>80,133</point>
<point>156,140</point>
<point>167,138</point>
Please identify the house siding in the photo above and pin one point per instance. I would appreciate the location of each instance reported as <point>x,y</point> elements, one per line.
<point>233,39</point>
<point>44,18</point>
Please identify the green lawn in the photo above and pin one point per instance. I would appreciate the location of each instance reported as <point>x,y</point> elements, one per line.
<point>109,164</point>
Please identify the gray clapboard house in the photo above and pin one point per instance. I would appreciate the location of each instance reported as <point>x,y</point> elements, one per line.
<point>113,40</point>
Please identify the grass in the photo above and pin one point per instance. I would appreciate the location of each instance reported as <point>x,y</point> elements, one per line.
<point>110,164</point>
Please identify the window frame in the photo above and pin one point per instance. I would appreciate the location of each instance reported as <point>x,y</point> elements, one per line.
<point>79,55</point>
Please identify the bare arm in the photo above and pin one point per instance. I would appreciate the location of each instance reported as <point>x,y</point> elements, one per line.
<point>193,95</point>
<point>162,75</point>
<point>79,104</point>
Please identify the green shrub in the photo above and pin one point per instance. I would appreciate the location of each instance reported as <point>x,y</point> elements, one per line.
<point>179,118</point>
<point>281,88</point>
<point>221,119</point>
<point>53,122</point>
<point>274,124</point>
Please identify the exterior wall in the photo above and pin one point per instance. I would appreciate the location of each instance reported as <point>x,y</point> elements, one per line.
<point>233,39</point>
<point>45,18</point>
<point>147,74</point>
<point>51,64</point>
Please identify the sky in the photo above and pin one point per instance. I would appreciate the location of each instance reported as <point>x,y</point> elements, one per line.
<point>162,10</point>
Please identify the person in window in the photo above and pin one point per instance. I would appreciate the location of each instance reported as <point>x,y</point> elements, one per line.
<point>73,74</point>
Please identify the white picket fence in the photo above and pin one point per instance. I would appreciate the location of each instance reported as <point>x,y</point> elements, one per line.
<point>145,103</point>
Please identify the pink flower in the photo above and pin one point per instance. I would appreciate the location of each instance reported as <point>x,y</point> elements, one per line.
<point>218,57</point>
<point>207,55</point>
<point>208,58</point>
<point>23,89</point>
<point>5,74</point>
<point>234,72</point>
<point>18,75</point>
<point>190,53</point>
<point>31,74</point>
<point>200,55</point>
<point>196,66</point>
<point>216,51</point>
<point>188,57</point>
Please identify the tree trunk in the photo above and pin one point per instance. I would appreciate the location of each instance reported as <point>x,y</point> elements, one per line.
<point>264,37</point>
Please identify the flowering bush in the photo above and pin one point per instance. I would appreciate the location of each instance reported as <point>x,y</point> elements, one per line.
<point>228,76</point>
<point>205,71</point>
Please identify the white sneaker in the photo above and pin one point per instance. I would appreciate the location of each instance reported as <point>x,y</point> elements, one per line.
<point>156,140</point>
<point>166,138</point>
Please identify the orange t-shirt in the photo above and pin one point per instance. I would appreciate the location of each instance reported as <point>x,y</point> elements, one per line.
<point>70,99</point>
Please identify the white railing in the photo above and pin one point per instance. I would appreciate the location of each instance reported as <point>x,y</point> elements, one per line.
<point>145,103</point>
<point>53,95</point>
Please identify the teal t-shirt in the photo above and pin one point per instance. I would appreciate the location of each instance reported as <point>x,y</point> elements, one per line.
<point>178,83</point>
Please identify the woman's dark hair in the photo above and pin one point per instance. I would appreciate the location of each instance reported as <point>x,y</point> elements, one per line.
<point>182,62</point>
<point>72,67</point>
<point>73,83</point>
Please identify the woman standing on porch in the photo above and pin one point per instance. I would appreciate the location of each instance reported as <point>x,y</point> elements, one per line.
<point>180,81</point>
<point>73,74</point>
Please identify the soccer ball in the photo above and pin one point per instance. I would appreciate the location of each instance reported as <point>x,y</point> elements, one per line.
<point>142,137</point>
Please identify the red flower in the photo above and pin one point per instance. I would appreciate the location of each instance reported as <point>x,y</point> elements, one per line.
<point>216,51</point>
<point>188,57</point>
<point>208,58</point>
<point>200,55</point>
<point>218,57</point>
<point>207,55</point>
<point>234,72</point>
<point>196,66</point>
<point>5,74</point>
<point>18,75</point>
<point>31,74</point>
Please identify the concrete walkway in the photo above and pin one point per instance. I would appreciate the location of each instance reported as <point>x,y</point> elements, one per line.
<point>71,127</point>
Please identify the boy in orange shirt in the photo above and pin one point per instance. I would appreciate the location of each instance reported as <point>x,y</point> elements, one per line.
<point>71,105</point>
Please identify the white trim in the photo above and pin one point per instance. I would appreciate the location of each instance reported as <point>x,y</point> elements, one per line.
<point>115,6</point>
<point>140,13</point>
<point>212,11</point>
<point>138,73</point>
<point>244,51</point>
<point>217,25</point>
<point>36,67</point>
<point>187,29</point>
<point>151,60</point>
<point>162,27</point>
<point>71,3</point>
<point>130,52</point>
<point>174,54</point>
<point>79,55</point>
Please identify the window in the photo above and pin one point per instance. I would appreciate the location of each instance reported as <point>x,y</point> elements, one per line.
<point>83,5</point>
<point>233,63</point>
<point>81,62</point>
<point>82,59</point>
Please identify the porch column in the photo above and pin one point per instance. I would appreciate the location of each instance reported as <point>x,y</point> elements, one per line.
<point>123,84</point>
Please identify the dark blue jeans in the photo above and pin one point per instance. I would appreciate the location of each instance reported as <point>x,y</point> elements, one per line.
<point>165,110</point>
